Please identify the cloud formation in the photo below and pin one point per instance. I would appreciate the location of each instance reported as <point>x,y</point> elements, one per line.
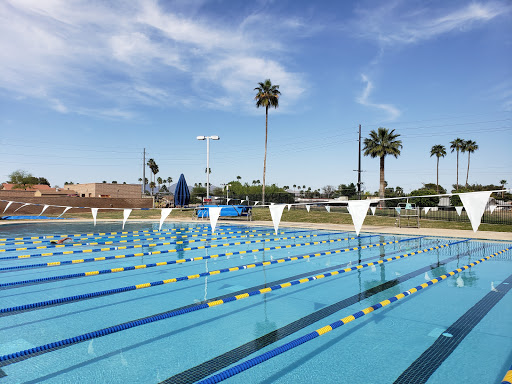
<point>105,58</point>
<point>364,97</point>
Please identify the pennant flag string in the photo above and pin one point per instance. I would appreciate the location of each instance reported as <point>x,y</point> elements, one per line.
<point>164,214</point>
<point>358,211</point>
<point>94,212</point>
<point>126,214</point>
<point>276,211</point>
<point>214,213</point>
<point>459,209</point>
<point>7,206</point>
<point>65,210</point>
<point>474,203</point>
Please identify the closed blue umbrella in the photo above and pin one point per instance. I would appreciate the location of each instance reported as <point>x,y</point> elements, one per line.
<point>181,193</point>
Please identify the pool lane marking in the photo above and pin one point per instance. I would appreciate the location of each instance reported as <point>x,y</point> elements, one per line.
<point>217,302</point>
<point>126,239</point>
<point>187,240</point>
<point>434,356</point>
<point>101,234</point>
<point>202,274</point>
<point>230,372</point>
<point>226,359</point>
<point>508,377</point>
<point>79,261</point>
<point>357,296</point>
<point>134,287</point>
<point>151,319</point>
<point>129,236</point>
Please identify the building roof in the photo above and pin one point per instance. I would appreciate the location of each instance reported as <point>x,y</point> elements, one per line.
<point>54,192</point>
<point>37,187</point>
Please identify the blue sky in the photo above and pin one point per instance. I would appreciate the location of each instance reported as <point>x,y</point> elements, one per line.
<point>86,85</point>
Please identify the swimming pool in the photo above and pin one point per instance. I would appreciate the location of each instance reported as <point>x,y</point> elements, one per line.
<point>183,305</point>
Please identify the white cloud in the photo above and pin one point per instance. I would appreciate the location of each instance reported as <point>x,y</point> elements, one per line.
<point>395,22</point>
<point>124,54</point>
<point>363,99</point>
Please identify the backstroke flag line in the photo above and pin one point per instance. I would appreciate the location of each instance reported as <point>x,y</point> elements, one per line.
<point>492,208</point>
<point>165,212</point>
<point>358,210</point>
<point>426,209</point>
<point>65,210</point>
<point>94,212</point>
<point>7,206</point>
<point>276,211</point>
<point>459,209</point>
<point>308,207</point>
<point>214,213</point>
<point>289,206</point>
<point>373,210</point>
<point>475,203</point>
<point>17,209</point>
<point>44,209</point>
<point>328,208</point>
<point>126,214</point>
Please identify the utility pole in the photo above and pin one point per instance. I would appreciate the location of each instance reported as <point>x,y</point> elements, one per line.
<point>359,166</point>
<point>144,172</point>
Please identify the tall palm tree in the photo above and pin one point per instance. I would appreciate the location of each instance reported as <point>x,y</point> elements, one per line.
<point>159,180</point>
<point>438,151</point>
<point>380,144</point>
<point>169,181</point>
<point>470,146</point>
<point>267,96</point>
<point>503,183</point>
<point>456,145</point>
<point>154,169</point>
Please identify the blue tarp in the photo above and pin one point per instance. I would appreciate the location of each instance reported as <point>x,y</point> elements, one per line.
<point>226,211</point>
<point>181,193</point>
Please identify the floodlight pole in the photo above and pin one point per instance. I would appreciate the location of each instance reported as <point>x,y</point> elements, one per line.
<point>359,166</point>
<point>207,138</point>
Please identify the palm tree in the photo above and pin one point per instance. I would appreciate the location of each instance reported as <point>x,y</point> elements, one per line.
<point>470,146</point>
<point>159,181</point>
<point>503,183</point>
<point>154,169</point>
<point>267,96</point>
<point>456,145</point>
<point>239,178</point>
<point>439,151</point>
<point>169,181</point>
<point>152,185</point>
<point>380,144</point>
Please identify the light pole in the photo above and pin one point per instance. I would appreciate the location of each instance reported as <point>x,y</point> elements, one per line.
<point>207,138</point>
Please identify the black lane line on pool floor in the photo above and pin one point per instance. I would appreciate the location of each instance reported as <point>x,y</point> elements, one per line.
<point>211,366</point>
<point>361,296</point>
<point>260,286</point>
<point>424,366</point>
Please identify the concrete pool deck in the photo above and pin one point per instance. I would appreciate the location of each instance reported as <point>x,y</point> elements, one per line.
<point>437,232</point>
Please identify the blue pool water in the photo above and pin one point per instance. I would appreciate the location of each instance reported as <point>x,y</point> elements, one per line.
<point>457,330</point>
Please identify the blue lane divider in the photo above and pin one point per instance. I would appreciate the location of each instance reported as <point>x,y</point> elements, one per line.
<point>52,237</point>
<point>184,239</point>
<point>230,372</point>
<point>103,258</point>
<point>154,318</point>
<point>131,268</point>
<point>139,286</point>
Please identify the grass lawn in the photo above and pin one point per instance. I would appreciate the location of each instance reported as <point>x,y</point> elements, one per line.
<point>301,216</point>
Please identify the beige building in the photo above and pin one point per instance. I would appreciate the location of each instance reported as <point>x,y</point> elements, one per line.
<point>124,191</point>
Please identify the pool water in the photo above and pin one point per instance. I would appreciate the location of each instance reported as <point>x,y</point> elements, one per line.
<point>457,330</point>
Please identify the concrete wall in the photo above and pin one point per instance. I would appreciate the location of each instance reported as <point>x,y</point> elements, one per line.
<point>94,202</point>
<point>129,191</point>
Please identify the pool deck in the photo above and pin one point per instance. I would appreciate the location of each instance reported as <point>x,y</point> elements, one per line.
<point>437,232</point>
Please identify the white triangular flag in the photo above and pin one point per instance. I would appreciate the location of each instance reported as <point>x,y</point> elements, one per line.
<point>328,208</point>
<point>398,209</point>
<point>289,206</point>
<point>426,209</point>
<point>256,202</point>
<point>308,207</point>
<point>373,209</point>
<point>7,206</point>
<point>228,200</point>
<point>276,211</point>
<point>65,210</point>
<point>242,202</point>
<point>474,203</point>
<point>492,208</point>
<point>164,213</point>
<point>214,213</point>
<point>94,212</point>
<point>126,214</point>
<point>459,209</point>
<point>358,211</point>
<point>17,209</point>
<point>44,209</point>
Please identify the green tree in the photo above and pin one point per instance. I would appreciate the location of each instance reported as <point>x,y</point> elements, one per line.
<point>159,180</point>
<point>169,181</point>
<point>22,179</point>
<point>438,151</point>
<point>154,170</point>
<point>380,144</point>
<point>469,146</point>
<point>503,183</point>
<point>267,96</point>
<point>457,145</point>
